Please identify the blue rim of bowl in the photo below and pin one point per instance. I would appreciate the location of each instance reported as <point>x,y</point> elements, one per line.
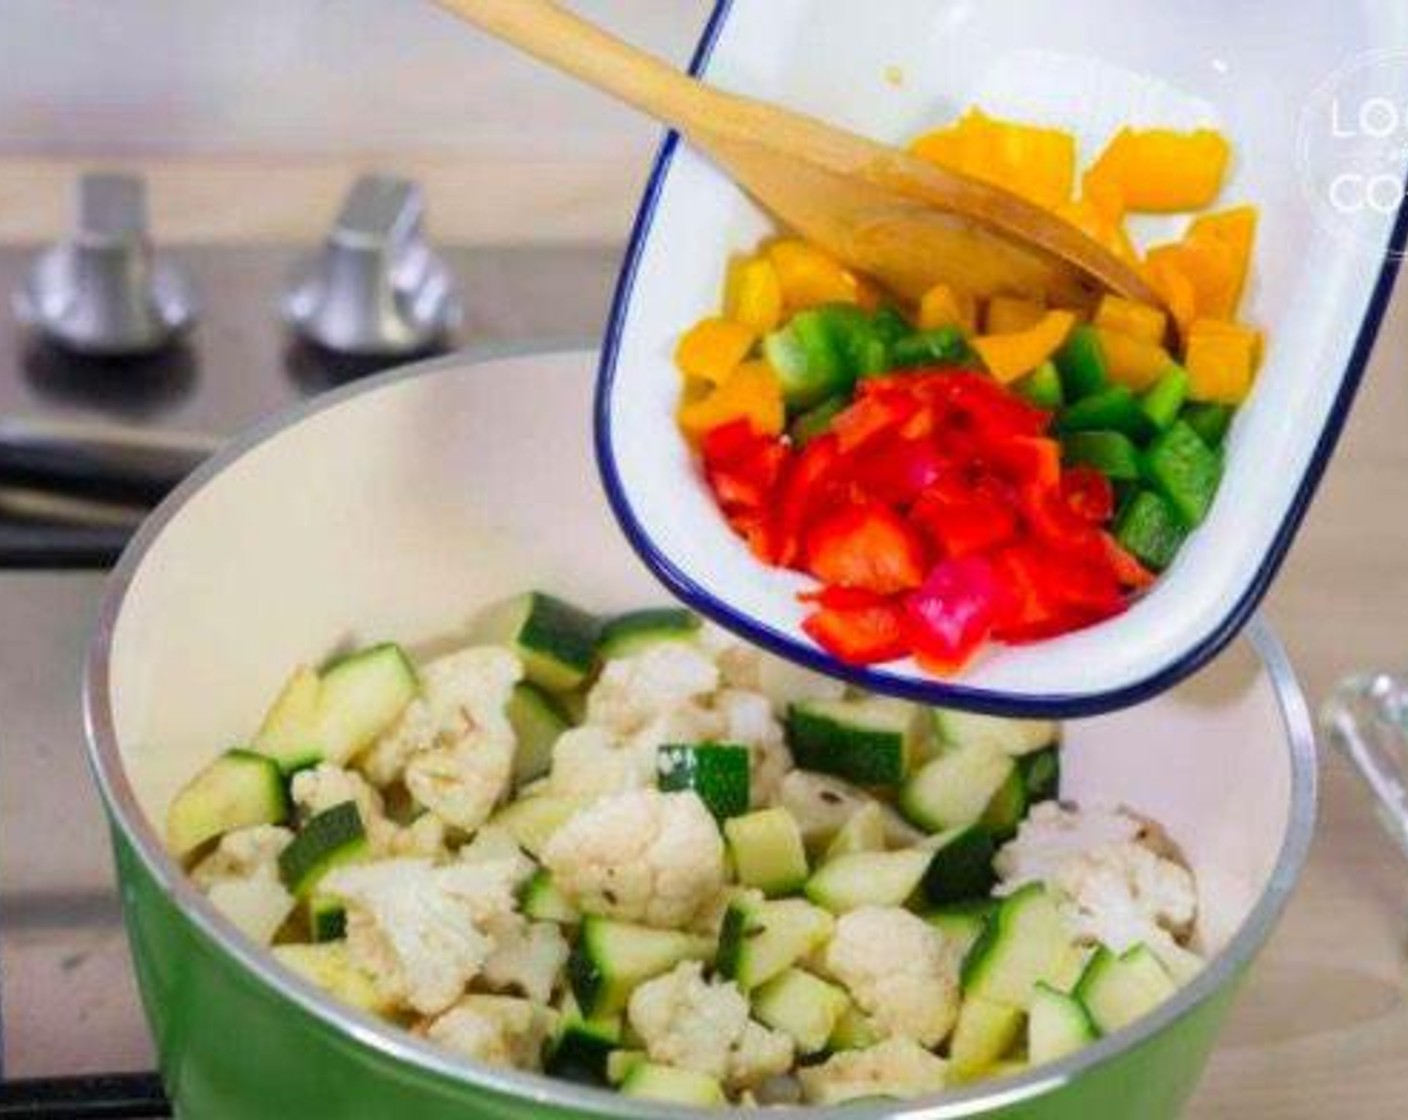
<point>1050,705</point>
<point>118,792</point>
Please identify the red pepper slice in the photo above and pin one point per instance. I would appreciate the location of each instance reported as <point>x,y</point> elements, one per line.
<point>1089,494</point>
<point>895,471</point>
<point>809,483</point>
<point>1025,461</point>
<point>965,523</point>
<point>866,546</point>
<point>872,414</point>
<point>1129,571</point>
<point>868,632</point>
<point>952,614</point>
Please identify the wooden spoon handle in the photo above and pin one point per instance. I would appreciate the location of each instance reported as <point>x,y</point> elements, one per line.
<point>569,43</point>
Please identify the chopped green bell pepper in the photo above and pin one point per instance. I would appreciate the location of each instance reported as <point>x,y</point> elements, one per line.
<point>1165,397</point>
<point>1113,454</point>
<point>1042,387</point>
<point>1081,362</point>
<point>808,360</point>
<point>1114,409</point>
<point>1150,529</point>
<point>1210,421</point>
<point>1184,470</point>
<point>943,346</point>
<point>817,420</point>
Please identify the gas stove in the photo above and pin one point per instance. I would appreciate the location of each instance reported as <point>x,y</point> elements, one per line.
<point>74,1040</point>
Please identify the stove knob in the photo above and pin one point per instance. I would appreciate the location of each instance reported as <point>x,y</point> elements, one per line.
<point>105,291</point>
<point>376,288</point>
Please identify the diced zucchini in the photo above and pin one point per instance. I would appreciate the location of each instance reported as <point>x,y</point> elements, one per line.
<point>1013,737</point>
<point>239,789</point>
<point>360,696</point>
<point>669,1085</point>
<point>986,1030</point>
<point>583,1048</point>
<point>868,879</point>
<point>619,1064</point>
<point>1007,807</point>
<point>627,634</point>
<point>537,720</point>
<point>960,868</point>
<point>761,939</point>
<point>290,734</point>
<point>864,832</point>
<point>327,917</point>
<point>799,1004</point>
<point>767,851</point>
<point>611,959</point>
<point>853,1031</point>
<point>871,741</point>
<point>1057,1024</point>
<point>1065,974</point>
<point>335,836</point>
<point>1117,990</point>
<point>543,902</point>
<point>962,923</point>
<point>718,772</point>
<point>555,640</point>
<point>1041,775</point>
<point>256,905</point>
<point>1021,944</point>
<point>532,821</point>
<point>330,967</point>
<point>955,788</point>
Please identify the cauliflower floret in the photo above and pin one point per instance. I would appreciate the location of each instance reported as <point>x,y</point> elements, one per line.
<point>900,970</point>
<point>326,785</point>
<point>529,958</point>
<point>642,856</point>
<point>687,723</point>
<point>748,720</point>
<point>1111,884</point>
<point>461,706</point>
<point>497,1030</point>
<point>632,691</point>
<point>897,1067</point>
<point>424,931</point>
<point>588,762</point>
<point>241,879</point>
<point>688,1023</point>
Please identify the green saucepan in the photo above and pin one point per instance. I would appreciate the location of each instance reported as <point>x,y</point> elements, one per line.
<point>395,508</point>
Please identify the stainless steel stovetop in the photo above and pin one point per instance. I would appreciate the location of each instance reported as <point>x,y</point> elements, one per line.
<point>68,1001</point>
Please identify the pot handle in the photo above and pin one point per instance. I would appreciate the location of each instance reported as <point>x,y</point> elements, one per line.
<point>1366,719</point>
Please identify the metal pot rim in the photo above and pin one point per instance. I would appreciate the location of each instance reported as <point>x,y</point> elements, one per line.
<point>119,797</point>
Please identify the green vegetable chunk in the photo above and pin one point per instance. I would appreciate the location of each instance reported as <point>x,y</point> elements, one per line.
<point>806,355</point>
<point>1185,470</point>
<point>1163,400</point>
<point>1210,421</point>
<point>335,836</point>
<point>630,633</point>
<point>1042,387</point>
<point>942,346</point>
<point>1111,409</point>
<point>961,867</point>
<point>1081,363</point>
<point>1151,530</point>
<point>870,741</point>
<point>717,772</point>
<point>1113,454</point>
<point>816,421</point>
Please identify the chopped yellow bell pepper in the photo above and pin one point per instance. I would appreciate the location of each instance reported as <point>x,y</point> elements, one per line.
<point>753,294</point>
<point>712,349</point>
<point>1036,163</point>
<point>1008,314</point>
<point>1010,356</point>
<point>946,306</point>
<point>1221,358</point>
<point>1158,170</point>
<point>1108,229</point>
<point>1236,230</point>
<point>750,392</point>
<point>1210,265</point>
<point>1168,279</point>
<point>810,276</point>
<point>1133,362</point>
<point>1128,316</point>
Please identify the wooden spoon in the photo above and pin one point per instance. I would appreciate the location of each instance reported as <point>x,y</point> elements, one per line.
<point>901,219</point>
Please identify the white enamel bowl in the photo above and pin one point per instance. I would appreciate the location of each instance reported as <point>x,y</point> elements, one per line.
<point>1088,65</point>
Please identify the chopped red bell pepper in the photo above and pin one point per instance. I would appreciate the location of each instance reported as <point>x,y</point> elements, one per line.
<point>867,546</point>
<point>897,469</point>
<point>1089,494</point>
<point>864,631</point>
<point>870,416</point>
<point>952,614</point>
<point>965,524</point>
<point>809,484</point>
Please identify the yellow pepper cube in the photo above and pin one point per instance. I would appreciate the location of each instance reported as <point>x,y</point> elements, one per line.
<point>1159,170</point>
<point>809,276</point>
<point>1010,356</point>
<point>751,392</point>
<point>1134,362</point>
<point>753,294</point>
<point>1037,163</point>
<point>1221,359</point>
<point>1167,278</point>
<point>946,306</point>
<point>1235,230</point>
<point>712,349</point>
<point>1128,316</point>
<point>1008,314</point>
